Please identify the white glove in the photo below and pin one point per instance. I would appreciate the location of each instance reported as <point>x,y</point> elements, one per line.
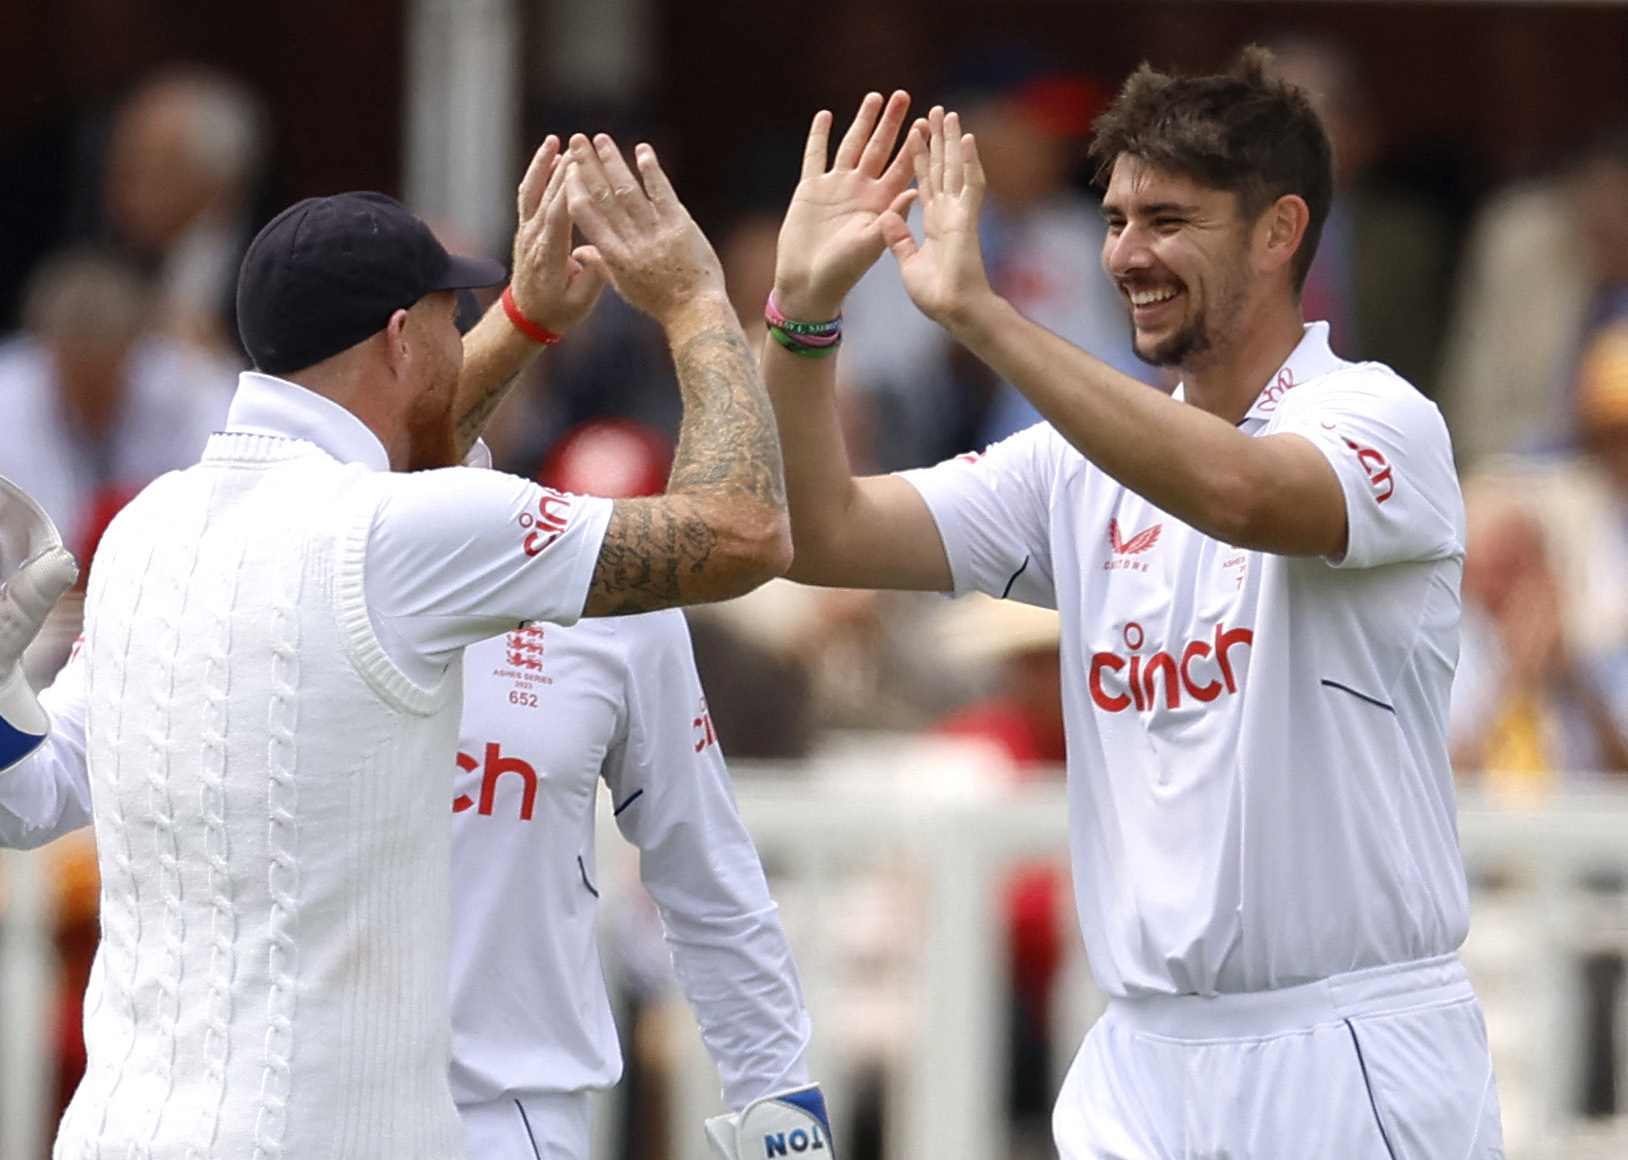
<point>46,571</point>
<point>790,1123</point>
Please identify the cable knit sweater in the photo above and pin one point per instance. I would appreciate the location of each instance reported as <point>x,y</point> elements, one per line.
<point>270,796</point>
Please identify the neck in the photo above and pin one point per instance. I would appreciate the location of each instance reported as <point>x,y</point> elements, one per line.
<point>1228,383</point>
<point>364,388</point>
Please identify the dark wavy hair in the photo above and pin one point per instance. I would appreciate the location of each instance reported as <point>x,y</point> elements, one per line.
<point>1243,131</point>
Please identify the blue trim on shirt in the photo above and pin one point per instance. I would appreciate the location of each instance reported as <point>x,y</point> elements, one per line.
<point>1359,696</point>
<point>1007,591</point>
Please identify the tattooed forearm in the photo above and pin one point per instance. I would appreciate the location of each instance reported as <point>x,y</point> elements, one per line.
<point>494,355</point>
<point>721,528</point>
<point>649,549</point>
<point>729,439</point>
<point>478,403</point>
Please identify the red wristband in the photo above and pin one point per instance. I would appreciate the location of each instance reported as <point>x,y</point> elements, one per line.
<point>525,325</point>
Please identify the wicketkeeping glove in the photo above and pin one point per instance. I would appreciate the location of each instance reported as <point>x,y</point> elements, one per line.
<point>37,571</point>
<point>790,1123</point>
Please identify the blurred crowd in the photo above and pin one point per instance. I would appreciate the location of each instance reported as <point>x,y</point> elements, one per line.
<point>121,357</point>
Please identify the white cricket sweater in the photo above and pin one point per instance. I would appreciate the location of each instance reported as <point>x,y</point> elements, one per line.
<point>270,798</point>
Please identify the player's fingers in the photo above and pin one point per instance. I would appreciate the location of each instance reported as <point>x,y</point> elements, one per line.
<point>886,133</point>
<point>896,233</point>
<point>625,187</point>
<point>588,172</point>
<point>935,149</point>
<point>973,165</point>
<point>902,169</point>
<point>556,236</point>
<point>817,145</point>
<point>593,263</point>
<point>544,164</point>
<point>853,141</point>
<point>587,278</point>
<point>921,157</point>
<point>656,186</point>
<point>954,174</point>
<point>554,191</point>
<point>589,193</point>
<point>901,204</point>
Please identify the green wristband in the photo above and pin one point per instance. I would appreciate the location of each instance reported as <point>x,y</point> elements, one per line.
<point>790,343</point>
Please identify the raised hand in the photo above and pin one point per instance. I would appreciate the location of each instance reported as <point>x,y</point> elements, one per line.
<point>945,272</point>
<point>640,235</point>
<point>830,237</point>
<point>550,286</point>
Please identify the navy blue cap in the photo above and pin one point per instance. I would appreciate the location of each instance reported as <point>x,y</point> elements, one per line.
<point>328,272</point>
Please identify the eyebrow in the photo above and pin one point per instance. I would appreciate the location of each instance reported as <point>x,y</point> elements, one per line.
<point>1151,209</point>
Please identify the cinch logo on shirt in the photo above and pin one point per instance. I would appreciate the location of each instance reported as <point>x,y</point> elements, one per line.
<point>1378,469</point>
<point>548,525</point>
<point>496,766</point>
<point>705,734</point>
<point>1203,670</point>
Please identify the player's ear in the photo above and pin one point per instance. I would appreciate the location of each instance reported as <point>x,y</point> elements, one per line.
<point>397,348</point>
<point>1279,232</point>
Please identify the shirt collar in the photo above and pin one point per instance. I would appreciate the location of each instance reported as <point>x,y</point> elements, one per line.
<point>267,405</point>
<point>1311,358</point>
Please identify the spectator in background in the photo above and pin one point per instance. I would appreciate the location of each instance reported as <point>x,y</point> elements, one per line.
<point>1583,498</point>
<point>1546,260</point>
<point>1528,711</point>
<point>1382,271</point>
<point>98,404</point>
<point>1042,239</point>
<point>178,185</point>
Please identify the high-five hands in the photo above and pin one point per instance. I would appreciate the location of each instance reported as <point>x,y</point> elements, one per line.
<point>551,287</point>
<point>830,237</point>
<point>640,236</point>
<point>943,273</point>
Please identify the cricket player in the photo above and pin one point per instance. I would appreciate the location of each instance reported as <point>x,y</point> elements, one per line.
<point>1258,583</point>
<point>272,661</point>
<point>550,712</point>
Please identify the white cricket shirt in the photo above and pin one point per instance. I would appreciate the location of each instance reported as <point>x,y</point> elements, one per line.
<point>272,679</point>
<point>548,712</point>
<point>1259,789</point>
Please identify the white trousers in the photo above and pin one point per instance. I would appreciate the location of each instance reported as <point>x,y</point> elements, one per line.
<point>546,1126</point>
<point>1384,1064</point>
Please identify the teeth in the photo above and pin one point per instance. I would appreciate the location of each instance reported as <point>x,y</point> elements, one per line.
<point>1149,297</point>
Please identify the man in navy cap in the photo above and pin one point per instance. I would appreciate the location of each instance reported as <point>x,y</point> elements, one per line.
<point>272,658</point>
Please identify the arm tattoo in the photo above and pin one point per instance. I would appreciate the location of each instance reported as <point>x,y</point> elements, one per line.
<point>471,420</point>
<point>728,440</point>
<point>648,547</point>
<point>674,549</point>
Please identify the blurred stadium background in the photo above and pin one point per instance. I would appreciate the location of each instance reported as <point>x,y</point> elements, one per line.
<point>892,850</point>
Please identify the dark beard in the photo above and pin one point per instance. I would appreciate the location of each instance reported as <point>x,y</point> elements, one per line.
<point>1179,349</point>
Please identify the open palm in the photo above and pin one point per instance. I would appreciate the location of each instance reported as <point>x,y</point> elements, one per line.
<point>830,236</point>
<point>945,269</point>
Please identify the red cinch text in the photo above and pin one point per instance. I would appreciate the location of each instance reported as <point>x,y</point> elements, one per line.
<point>1203,670</point>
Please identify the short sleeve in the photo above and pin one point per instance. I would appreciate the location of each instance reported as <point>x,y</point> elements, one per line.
<point>459,554</point>
<point>1390,450</point>
<point>993,511</point>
